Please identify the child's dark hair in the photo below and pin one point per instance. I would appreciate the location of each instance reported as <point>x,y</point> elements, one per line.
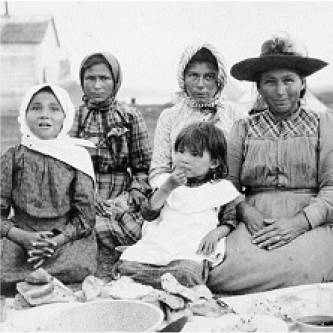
<point>201,136</point>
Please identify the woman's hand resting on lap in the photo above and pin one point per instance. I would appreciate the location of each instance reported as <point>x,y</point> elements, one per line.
<point>281,231</point>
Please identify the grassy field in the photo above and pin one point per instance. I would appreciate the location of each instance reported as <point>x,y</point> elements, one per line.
<point>10,133</point>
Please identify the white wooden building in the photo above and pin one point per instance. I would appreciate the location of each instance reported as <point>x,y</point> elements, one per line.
<point>30,54</point>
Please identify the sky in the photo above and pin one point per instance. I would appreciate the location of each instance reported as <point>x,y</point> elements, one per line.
<point>148,37</point>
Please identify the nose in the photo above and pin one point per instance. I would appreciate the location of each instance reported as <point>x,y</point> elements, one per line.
<point>280,88</point>
<point>44,113</point>
<point>98,83</point>
<point>200,82</point>
<point>184,160</point>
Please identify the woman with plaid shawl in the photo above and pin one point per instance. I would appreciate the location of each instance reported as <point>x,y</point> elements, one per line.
<point>123,152</point>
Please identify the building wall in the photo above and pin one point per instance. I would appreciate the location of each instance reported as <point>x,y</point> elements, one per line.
<point>17,72</point>
<point>25,65</point>
<point>48,58</point>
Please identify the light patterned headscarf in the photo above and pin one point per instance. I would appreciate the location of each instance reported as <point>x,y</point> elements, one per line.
<point>63,147</point>
<point>187,55</point>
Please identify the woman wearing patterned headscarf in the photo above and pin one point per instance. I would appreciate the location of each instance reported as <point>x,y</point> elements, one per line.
<point>202,76</point>
<point>122,155</point>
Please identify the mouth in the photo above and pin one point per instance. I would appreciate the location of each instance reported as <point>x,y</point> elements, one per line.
<point>44,125</point>
<point>96,95</point>
<point>201,95</point>
<point>281,102</point>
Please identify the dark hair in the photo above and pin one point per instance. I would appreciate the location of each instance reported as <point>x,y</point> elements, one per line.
<point>95,59</point>
<point>201,136</point>
<point>203,55</point>
<point>302,92</point>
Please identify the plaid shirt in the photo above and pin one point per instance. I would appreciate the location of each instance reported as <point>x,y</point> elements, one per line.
<point>122,158</point>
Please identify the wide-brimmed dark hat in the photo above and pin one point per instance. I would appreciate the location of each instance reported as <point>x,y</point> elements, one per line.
<point>277,52</point>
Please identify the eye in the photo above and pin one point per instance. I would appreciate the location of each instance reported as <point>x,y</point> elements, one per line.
<point>195,153</point>
<point>210,77</point>
<point>269,81</point>
<point>34,107</point>
<point>192,76</point>
<point>289,80</point>
<point>88,78</point>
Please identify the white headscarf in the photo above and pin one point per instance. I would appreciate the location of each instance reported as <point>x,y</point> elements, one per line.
<point>63,147</point>
<point>187,55</point>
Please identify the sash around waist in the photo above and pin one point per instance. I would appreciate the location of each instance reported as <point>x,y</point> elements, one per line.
<point>256,190</point>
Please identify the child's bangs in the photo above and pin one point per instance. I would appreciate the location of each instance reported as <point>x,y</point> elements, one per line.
<point>193,139</point>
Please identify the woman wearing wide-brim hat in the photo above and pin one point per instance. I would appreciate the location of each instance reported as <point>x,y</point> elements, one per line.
<point>282,160</point>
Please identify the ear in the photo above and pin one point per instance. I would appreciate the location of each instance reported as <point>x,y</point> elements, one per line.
<point>214,164</point>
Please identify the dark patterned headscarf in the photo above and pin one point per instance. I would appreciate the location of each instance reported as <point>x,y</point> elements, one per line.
<point>116,73</point>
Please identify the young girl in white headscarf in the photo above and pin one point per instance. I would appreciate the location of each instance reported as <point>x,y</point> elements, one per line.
<point>47,194</point>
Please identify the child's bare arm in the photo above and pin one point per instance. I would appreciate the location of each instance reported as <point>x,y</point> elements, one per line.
<point>176,179</point>
<point>209,242</point>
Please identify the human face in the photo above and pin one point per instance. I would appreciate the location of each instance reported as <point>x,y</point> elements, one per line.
<point>45,116</point>
<point>201,81</point>
<point>281,90</point>
<point>193,164</point>
<point>98,84</point>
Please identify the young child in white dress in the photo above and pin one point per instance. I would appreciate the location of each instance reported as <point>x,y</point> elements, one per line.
<point>190,213</point>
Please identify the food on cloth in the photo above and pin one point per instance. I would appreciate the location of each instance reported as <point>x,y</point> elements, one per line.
<point>208,307</point>
<point>36,294</point>
<point>20,303</point>
<point>244,324</point>
<point>38,291</point>
<point>172,301</point>
<point>283,307</point>
<point>171,284</point>
<point>127,288</point>
<point>236,323</point>
<point>92,287</point>
<point>39,276</point>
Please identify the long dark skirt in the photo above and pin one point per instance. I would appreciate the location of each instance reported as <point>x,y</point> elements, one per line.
<point>70,264</point>
<point>247,269</point>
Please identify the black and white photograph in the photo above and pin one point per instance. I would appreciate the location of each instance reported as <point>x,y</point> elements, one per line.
<point>166,166</point>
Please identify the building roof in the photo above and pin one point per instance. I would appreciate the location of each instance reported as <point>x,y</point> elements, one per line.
<point>26,31</point>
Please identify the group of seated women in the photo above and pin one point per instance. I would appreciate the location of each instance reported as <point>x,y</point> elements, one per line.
<point>240,202</point>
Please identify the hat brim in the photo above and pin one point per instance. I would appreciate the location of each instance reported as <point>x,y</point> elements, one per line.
<point>250,69</point>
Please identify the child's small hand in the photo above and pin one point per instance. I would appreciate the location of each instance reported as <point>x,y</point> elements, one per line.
<point>177,178</point>
<point>208,243</point>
